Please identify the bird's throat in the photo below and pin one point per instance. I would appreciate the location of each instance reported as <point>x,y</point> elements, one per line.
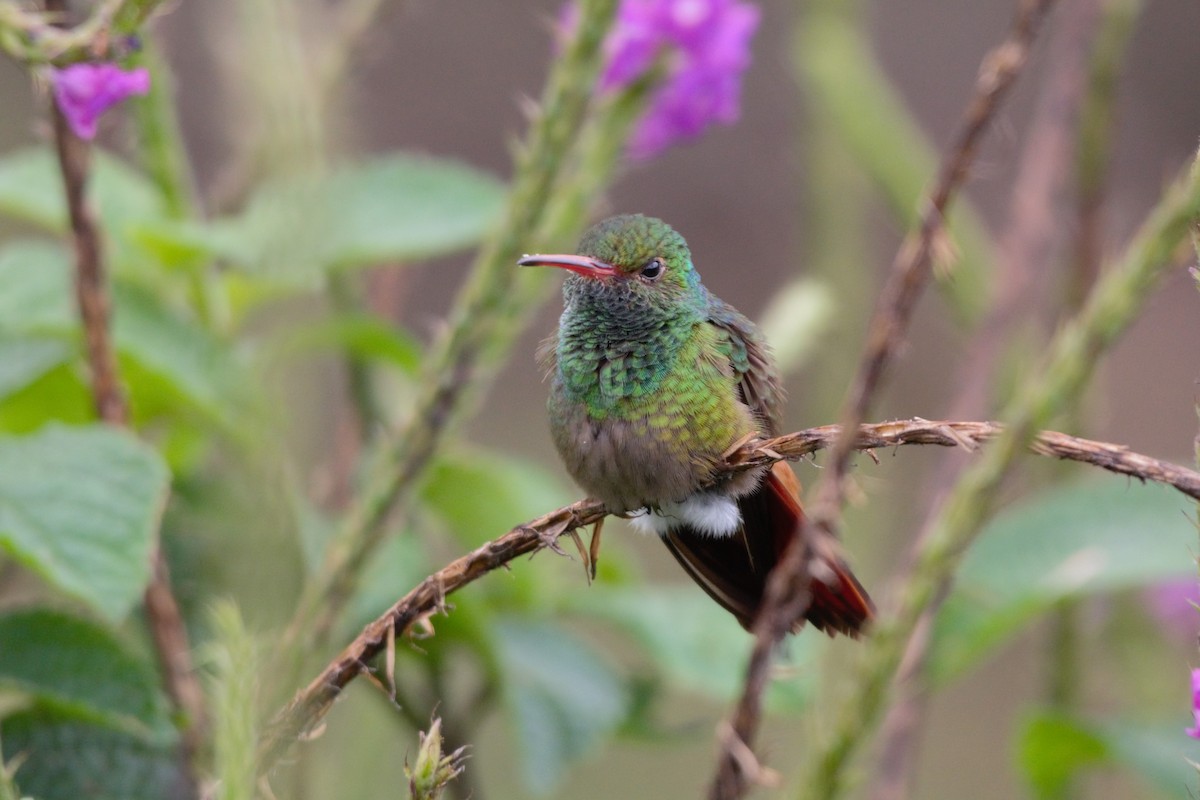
<point>613,348</point>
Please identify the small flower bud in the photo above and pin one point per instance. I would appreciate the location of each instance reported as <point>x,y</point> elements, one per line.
<point>428,777</point>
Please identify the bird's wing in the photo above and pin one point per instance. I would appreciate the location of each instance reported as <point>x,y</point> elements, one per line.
<point>750,357</point>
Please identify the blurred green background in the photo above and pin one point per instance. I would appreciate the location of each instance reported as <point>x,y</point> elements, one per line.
<point>776,197</point>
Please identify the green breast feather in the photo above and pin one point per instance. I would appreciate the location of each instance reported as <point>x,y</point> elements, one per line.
<point>688,401</point>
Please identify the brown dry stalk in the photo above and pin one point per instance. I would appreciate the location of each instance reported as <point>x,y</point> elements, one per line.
<point>786,594</point>
<point>91,289</point>
<point>308,708</point>
<point>913,264</point>
<point>1025,260</point>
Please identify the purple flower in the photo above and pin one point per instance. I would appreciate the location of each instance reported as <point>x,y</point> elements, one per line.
<point>1194,731</point>
<point>707,47</point>
<point>85,91</point>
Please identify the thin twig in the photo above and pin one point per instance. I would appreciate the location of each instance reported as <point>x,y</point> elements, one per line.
<point>310,705</point>
<point>1025,263</point>
<point>783,598</point>
<point>914,261</point>
<point>91,288</point>
<point>1072,356</point>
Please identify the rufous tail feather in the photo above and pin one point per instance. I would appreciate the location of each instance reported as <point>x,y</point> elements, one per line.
<point>733,569</point>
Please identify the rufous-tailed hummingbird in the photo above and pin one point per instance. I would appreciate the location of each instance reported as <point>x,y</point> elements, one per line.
<point>653,380</point>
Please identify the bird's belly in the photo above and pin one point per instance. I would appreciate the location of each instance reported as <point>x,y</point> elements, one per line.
<point>623,464</point>
<point>649,458</point>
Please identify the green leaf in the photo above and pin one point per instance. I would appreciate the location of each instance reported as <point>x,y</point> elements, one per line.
<point>849,87</point>
<point>59,395</point>
<point>175,243</point>
<point>31,190</point>
<point>80,668</point>
<point>392,208</point>
<point>23,360</point>
<point>1052,750</point>
<point>562,696</point>
<point>1159,753</point>
<point>1088,538</point>
<point>481,495</point>
<point>696,643</point>
<point>398,566</point>
<point>81,507</point>
<point>39,298</point>
<point>170,346</point>
<point>38,295</point>
<point>361,335</point>
<point>67,759</point>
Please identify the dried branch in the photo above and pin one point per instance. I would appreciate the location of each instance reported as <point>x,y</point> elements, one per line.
<point>786,593</point>
<point>914,261</point>
<point>1026,253</point>
<point>91,289</point>
<point>310,705</point>
<point>1071,358</point>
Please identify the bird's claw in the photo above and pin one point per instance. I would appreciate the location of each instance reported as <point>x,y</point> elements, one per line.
<point>548,538</point>
<point>594,549</point>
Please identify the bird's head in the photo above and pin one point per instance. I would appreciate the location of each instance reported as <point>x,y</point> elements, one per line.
<point>632,258</point>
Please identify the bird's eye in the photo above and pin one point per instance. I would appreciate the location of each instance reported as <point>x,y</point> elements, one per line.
<point>652,269</point>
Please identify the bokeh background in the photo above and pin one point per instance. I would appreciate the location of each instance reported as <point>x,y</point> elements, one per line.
<point>448,79</point>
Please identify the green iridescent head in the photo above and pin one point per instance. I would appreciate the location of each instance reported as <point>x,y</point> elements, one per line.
<point>631,256</point>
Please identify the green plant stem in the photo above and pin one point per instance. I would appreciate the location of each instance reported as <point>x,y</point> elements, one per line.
<point>602,143</point>
<point>481,326</point>
<point>279,79</point>
<point>34,38</point>
<point>1064,673</point>
<point>161,137</point>
<point>166,162</point>
<point>1094,148</point>
<point>234,668</point>
<point>1110,307</point>
<point>835,208</point>
<point>346,296</point>
<point>848,89</point>
<point>1115,22</point>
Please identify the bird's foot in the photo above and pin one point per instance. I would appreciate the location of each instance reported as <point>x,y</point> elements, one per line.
<point>547,537</point>
<point>735,448</point>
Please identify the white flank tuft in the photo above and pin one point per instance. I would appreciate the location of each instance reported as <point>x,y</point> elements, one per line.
<point>707,513</point>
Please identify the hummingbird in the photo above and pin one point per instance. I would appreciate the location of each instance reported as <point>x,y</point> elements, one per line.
<point>653,380</point>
